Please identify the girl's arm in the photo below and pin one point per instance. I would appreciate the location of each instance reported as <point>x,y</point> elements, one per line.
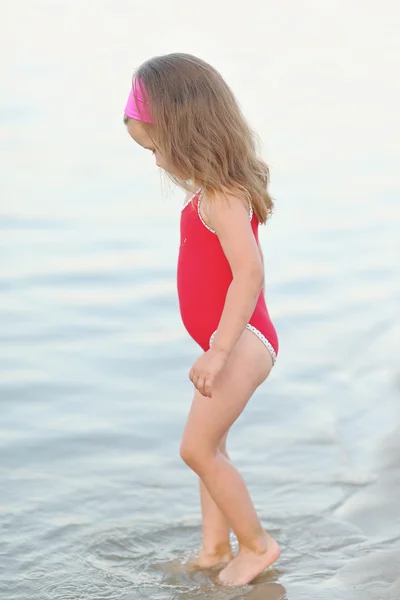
<point>230,219</point>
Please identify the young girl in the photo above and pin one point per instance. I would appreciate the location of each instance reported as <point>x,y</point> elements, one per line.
<point>182,111</point>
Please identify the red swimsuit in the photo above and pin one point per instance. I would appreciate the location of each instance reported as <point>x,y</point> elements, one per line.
<point>204,276</point>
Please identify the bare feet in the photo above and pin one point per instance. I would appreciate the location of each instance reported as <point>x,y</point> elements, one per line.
<point>206,560</point>
<point>247,565</point>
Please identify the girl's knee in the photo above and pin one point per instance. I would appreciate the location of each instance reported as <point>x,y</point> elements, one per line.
<point>195,455</point>
<point>222,449</point>
<point>189,453</point>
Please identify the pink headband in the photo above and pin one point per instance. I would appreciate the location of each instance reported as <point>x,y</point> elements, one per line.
<point>140,110</point>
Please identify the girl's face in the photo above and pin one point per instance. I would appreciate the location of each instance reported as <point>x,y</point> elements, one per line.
<point>139,134</point>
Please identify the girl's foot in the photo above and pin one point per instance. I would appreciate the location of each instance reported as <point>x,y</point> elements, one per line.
<point>247,565</point>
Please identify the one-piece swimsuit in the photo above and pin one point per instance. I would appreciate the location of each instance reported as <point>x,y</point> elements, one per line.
<point>204,276</point>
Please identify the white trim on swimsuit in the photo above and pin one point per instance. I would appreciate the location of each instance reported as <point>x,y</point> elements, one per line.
<point>261,336</point>
<point>190,199</point>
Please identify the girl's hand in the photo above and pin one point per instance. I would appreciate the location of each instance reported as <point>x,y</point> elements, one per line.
<point>205,370</point>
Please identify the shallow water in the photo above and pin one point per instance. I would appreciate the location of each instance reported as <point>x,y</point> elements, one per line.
<point>94,501</point>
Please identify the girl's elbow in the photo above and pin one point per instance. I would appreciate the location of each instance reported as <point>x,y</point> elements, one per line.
<point>259,278</point>
<point>251,277</point>
<point>255,277</point>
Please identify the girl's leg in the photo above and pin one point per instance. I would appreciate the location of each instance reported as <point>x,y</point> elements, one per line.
<point>216,548</point>
<point>209,420</point>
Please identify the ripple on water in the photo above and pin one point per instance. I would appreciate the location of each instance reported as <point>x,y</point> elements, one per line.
<point>155,563</point>
<point>150,560</point>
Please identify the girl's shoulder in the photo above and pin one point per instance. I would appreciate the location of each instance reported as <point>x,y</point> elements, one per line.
<point>223,202</point>
<point>223,208</point>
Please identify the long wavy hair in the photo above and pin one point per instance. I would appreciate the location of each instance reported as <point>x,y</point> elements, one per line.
<point>201,131</point>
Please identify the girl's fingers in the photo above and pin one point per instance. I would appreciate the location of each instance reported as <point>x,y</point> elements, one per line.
<point>200,385</point>
<point>208,388</point>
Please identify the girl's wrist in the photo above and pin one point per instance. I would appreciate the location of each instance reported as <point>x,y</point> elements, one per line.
<point>221,350</point>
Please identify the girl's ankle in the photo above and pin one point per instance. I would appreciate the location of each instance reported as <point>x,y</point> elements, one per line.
<point>258,545</point>
<point>217,549</point>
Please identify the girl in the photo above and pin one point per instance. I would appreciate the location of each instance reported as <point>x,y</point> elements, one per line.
<point>182,110</point>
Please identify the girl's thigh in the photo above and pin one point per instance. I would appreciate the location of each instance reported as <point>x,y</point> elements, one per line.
<point>248,365</point>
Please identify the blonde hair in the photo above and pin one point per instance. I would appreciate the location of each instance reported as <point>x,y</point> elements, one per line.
<point>201,131</point>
